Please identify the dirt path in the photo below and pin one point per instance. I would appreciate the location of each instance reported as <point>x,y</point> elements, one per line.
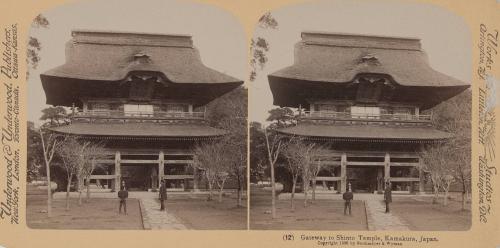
<point>378,219</point>
<point>153,218</point>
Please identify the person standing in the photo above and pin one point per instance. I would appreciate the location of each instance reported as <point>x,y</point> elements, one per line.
<point>348,196</point>
<point>123,195</point>
<point>163,195</point>
<point>387,196</point>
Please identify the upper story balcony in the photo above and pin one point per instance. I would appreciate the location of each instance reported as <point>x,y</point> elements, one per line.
<point>116,116</point>
<point>398,118</point>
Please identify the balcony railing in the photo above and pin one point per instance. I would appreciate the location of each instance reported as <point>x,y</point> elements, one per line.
<point>109,114</point>
<point>364,117</point>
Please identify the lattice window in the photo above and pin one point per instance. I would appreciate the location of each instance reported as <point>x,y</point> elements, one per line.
<point>138,109</point>
<point>174,107</point>
<point>366,112</point>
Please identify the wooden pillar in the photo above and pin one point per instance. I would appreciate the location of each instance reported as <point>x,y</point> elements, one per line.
<point>421,177</point>
<point>195,179</point>
<point>380,176</point>
<point>343,172</point>
<point>161,167</point>
<point>387,167</point>
<point>118,173</point>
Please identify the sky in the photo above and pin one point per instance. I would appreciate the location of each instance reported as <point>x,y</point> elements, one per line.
<point>222,42</point>
<point>444,36</point>
<point>216,33</point>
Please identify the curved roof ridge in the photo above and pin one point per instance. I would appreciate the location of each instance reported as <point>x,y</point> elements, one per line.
<point>131,38</point>
<point>361,40</point>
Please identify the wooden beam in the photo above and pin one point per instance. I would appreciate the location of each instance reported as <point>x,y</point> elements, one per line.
<point>118,172</point>
<point>103,176</point>
<point>178,177</point>
<point>335,163</point>
<point>179,154</point>
<point>379,154</point>
<point>421,176</point>
<point>343,173</point>
<point>161,167</point>
<point>140,161</point>
<point>403,164</point>
<point>331,179</point>
<point>105,161</point>
<point>359,163</point>
<point>405,179</point>
<point>387,167</point>
<point>179,161</point>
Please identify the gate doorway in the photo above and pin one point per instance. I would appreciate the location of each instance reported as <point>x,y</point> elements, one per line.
<point>139,177</point>
<point>365,179</point>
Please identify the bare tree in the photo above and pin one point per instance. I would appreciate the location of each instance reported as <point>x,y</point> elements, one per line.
<point>298,164</point>
<point>317,153</point>
<point>303,161</point>
<point>273,150</point>
<point>454,116</point>
<point>237,160</point>
<point>436,163</point>
<point>93,153</point>
<point>50,144</point>
<point>221,178</point>
<point>80,160</point>
<point>211,160</point>
<point>68,154</point>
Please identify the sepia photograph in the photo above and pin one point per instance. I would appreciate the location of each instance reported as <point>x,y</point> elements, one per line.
<point>137,122</point>
<point>360,119</point>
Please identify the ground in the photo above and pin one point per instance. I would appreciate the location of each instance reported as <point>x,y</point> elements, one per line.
<point>200,214</point>
<point>96,214</point>
<point>184,211</point>
<point>408,212</point>
<point>421,215</point>
<point>320,215</point>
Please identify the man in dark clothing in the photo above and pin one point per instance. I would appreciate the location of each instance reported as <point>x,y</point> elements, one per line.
<point>163,195</point>
<point>387,196</point>
<point>348,196</point>
<point>123,195</point>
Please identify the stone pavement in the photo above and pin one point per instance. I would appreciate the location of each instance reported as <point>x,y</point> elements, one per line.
<point>377,218</point>
<point>155,219</point>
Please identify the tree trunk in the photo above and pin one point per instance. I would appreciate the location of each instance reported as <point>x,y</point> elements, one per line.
<point>239,198</point>
<point>210,188</point>
<point>273,192</point>
<point>220,195</point>
<point>314,190</point>
<point>79,192</point>
<point>436,195</point>
<point>305,188</point>
<point>49,191</point>
<point>445,202</point>
<point>463,200</point>
<point>293,193</point>
<point>68,189</point>
<point>239,191</point>
<point>436,191</point>
<point>88,189</point>
<point>221,189</point>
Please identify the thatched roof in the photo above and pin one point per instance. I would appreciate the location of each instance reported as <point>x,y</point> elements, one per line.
<point>367,133</point>
<point>331,60</point>
<point>93,56</point>
<point>145,130</point>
